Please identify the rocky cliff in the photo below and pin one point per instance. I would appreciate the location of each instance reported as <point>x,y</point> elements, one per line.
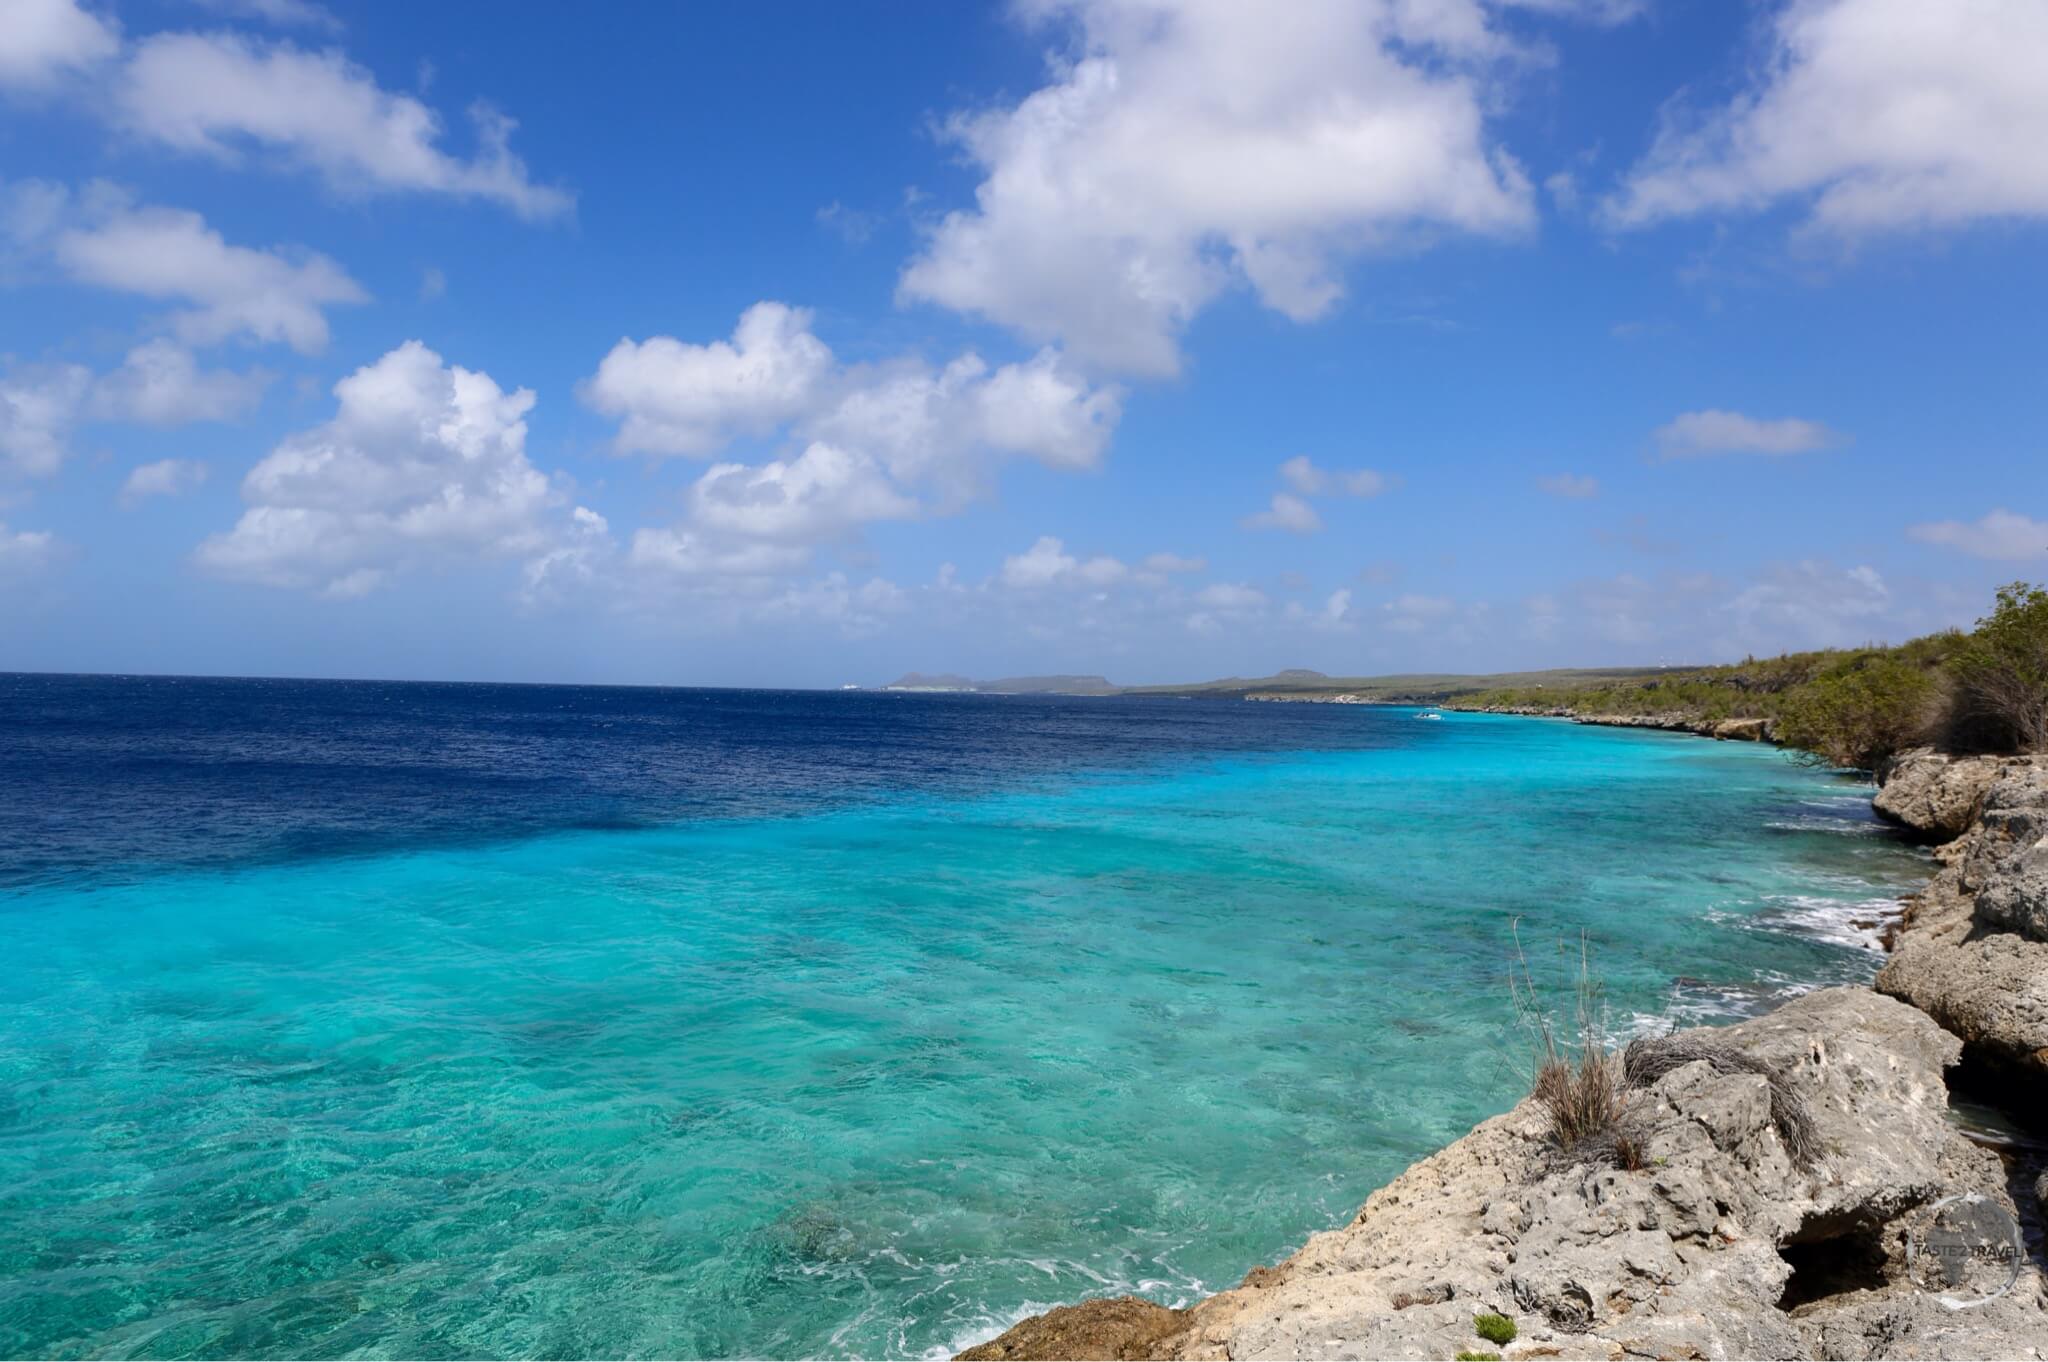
<point>1719,1243</point>
<point>1711,1239</point>
<point>1972,950</point>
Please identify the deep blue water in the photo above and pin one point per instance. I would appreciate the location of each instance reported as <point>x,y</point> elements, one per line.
<point>381,1019</point>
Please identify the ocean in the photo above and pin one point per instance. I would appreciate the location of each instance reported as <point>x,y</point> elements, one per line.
<point>405,1020</point>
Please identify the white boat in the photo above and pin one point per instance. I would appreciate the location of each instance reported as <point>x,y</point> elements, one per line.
<point>1429,714</point>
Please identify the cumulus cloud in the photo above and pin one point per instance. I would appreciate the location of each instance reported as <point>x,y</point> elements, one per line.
<point>42,41</point>
<point>423,461</point>
<point>821,494</point>
<point>1306,478</point>
<point>674,397</point>
<point>38,407</point>
<point>1878,114</point>
<point>222,94</point>
<point>1286,512</point>
<point>1169,563</point>
<point>1699,433</point>
<point>1048,564</point>
<point>920,423</point>
<point>160,383</point>
<point>874,439</point>
<point>164,478</point>
<point>1570,485</point>
<point>1187,148</point>
<point>2000,535</point>
<point>170,254</point>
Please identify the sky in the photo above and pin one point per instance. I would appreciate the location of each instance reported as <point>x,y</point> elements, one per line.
<point>797,344</point>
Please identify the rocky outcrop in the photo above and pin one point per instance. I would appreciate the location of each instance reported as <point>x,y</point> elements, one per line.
<point>1717,1243</point>
<point>1727,730</point>
<point>1972,951</point>
<point>1934,795</point>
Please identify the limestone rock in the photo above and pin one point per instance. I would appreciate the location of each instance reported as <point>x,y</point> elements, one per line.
<point>1935,795</point>
<point>1109,1330</point>
<point>1719,1245</point>
<point>1973,950</point>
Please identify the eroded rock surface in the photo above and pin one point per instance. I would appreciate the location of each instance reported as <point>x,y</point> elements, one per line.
<point>1973,949</point>
<point>1719,1245</point>
<point>1936,796</point>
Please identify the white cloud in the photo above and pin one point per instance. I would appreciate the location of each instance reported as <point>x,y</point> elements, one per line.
<point>1286,512</point>
<point>44,40</point>
<point>220,93</point>
<point>1166,563</point>
<point>1190,147</point>
<point>167,253</point>
<point>823,493</point>
<point>673,397</point>
<point>38,407</point>
<point>164,478</point>
<point>1306,478</point>
<point>1413,613</point>
<point>1570,485</point>
<point>283,13</point>
<point>161,384</point>
<point>1880,114</point>
<point>834,600</point>
<point>944,426</point>
<point>1334,615</point>
<point>1813,604</point>
<point>686,553</point>
<point>423,461</point>
<point>1048,564</point>
<point>1231,597</point>
<point>1698,433</point>
<point>872,437</point>
<point>2000,535</point>
<point>23,552</point>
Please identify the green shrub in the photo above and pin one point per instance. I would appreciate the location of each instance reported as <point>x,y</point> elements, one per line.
<point>1494,1328</point>
<point>2003,666</point>
<point>1477,1357</point>
<point>1861,713</point>
<point>1986,689</point>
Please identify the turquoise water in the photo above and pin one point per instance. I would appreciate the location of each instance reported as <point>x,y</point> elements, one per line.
<point>864,1077</point>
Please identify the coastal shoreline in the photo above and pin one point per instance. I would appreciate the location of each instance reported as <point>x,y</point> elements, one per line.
<point>1495,1223</point>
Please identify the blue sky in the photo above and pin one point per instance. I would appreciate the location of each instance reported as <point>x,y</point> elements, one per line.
<point>811,344</point>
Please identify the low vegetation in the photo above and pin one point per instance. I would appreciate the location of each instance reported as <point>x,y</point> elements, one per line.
<point>1495,1329</point>
<point>1588,1090</point>
<point>1983,690</point>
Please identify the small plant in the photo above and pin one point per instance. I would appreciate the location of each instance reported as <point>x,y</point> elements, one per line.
<point>1477,1357</point>
<point>1496,1329</point>
<point>1578,1083</point>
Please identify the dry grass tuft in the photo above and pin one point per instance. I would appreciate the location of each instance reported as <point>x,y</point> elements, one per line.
<point>1578,1083</point>
<point>1646,1061</point>
<point>1584,1087</point>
